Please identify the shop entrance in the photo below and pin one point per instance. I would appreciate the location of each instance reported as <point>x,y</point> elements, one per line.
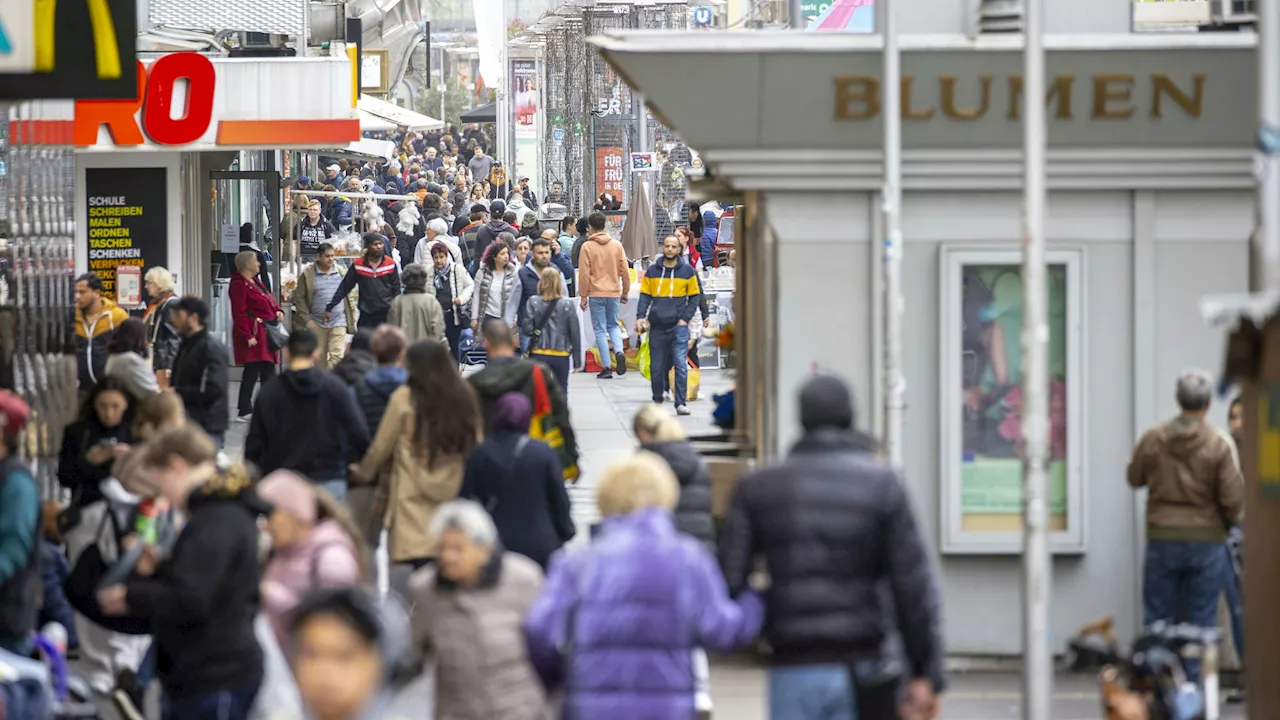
<point>246,216</point>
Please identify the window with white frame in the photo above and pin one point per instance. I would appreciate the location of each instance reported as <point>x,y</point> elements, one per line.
<point>981,400</point>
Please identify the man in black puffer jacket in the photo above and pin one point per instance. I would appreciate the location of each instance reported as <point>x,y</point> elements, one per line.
<point>835,527</point>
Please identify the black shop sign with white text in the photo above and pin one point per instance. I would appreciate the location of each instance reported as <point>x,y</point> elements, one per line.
<point>128,222</point>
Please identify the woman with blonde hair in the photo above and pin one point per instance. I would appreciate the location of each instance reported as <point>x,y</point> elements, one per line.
<point>252,306</point>
<point>162,338</point>
<point>638,663</point>
<point>551,322</point>
<point>663,435</point>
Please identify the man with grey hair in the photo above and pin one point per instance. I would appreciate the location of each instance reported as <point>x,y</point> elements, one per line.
<point>437,231</point>
<point>1195,495</point>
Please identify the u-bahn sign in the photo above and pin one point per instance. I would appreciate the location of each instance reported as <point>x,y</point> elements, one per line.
<point>68,49</point>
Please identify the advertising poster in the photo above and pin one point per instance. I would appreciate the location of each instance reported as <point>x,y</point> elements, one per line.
<point>991,374</point>
<point>611,172</point>
<point>526,105</point>
<point>127,222</point>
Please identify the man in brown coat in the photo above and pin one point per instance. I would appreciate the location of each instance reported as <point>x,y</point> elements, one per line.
<point>604,282</point>
<point>1195,495</point>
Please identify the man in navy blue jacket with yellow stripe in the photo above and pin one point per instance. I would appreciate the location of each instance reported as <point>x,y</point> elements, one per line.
<point>668,299</point>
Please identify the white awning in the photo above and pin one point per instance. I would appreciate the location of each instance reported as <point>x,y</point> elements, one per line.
<point>372,123</point>
<point>370,149</point>
<point>401,117</point>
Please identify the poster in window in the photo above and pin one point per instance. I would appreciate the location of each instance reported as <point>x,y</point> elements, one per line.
<point>982,401</point>
<point>991,411</point>
<point>127,221</point>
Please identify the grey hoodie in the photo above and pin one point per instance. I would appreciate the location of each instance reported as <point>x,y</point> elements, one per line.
<point>560,333</point>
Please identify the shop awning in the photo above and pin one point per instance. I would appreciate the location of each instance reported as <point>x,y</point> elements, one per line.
<point>372,123</point>
<point>365,149</point>
<point>482,114</point>
<point>401,117</point>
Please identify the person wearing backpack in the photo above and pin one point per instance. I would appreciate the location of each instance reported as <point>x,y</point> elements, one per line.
<point>20,531</point>
<point>520,483</point>
<point>314,544</point>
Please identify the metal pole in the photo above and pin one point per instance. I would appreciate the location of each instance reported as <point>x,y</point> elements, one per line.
<point>795,14</point>
<point>1037,657</point>
<point>894,382</point>
<point>1269,107</point>
<point>443,89</point>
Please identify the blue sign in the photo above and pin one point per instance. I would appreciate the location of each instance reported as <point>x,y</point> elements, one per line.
<point>702,16</point>
<point>557,135</point>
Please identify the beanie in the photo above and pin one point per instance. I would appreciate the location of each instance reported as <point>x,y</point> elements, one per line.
<point>826,402</point>
<point>291,493</point>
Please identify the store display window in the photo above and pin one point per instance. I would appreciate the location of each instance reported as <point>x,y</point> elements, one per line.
<point>981,355</point>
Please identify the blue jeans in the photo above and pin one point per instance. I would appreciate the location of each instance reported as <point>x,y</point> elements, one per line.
<point>604,320</point>
<point>146,668</point>
<point>811,692</point>
<point>1182,581</point>
<point>337,488</point>
<point>669,347</point>
<point>221,705</point>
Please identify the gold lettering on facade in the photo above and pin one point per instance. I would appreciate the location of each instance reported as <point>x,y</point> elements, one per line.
<point>908,112</point>
<point>857,97</point>
<point>1059,95</point>
<point>949,108</point>
<point>1161,85</point>
<point>1109,89</point>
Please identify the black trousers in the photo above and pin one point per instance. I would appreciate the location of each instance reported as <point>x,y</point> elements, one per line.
<point>372,320</point>
<point>452,331</point>
<point>254,373</point>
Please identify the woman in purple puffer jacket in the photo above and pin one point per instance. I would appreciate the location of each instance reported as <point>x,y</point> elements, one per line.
<point>618,620</point>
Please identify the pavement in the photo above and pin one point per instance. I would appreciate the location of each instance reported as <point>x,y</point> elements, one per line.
<point>602,411</point>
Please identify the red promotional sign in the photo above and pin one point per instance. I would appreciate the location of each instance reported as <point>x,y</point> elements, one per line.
<point>155,97</point>
<point>611,172</point>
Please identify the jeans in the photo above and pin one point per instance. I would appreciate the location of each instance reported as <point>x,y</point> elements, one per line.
<point>811,692</point>
<point>668,348</point>
<point>524,344</point>
<point>604,320</point>
<point>1235,606</point>
<point>146,668</point>
<point>1182,581</point>
<point>254,373</point>
<point>220,705</point>
<point>337,488</point>
<point>560,365</point>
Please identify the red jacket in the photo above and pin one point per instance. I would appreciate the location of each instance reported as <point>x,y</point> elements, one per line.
<point>251,303</point>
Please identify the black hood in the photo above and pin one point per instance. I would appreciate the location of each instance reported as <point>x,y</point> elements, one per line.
<point>826,402</point>
<point>498,226</point>
<point>302,383</point>
<point>680,455</point>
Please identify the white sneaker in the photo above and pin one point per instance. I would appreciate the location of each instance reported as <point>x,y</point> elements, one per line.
<point>683,410</point>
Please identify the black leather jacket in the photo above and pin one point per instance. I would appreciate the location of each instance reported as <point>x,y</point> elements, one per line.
<point>161,335</point>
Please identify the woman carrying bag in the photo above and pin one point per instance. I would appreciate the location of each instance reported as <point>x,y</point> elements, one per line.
<point>551,322</point>
<point>252,308</point>
<point>162,338</point>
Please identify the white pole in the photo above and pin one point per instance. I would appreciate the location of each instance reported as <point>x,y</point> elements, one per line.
<point>795,14</point>
<point>1037,657</point>
<point>894,382</point>
<point>1269,107</point>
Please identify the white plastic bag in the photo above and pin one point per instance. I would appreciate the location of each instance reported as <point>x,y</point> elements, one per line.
<point>278,698</point>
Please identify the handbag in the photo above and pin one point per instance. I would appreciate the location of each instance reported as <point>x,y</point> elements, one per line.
<point>535,343</point>
<point>81,587</point>
<point>277,335</point>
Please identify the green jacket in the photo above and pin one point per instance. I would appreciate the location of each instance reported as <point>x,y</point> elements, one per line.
<point>504,375</point>
<point>19,566</point>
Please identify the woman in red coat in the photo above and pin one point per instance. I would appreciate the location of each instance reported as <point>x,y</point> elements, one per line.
<point>251,306</point>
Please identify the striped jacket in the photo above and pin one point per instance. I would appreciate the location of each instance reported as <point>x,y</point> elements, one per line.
<point>669,295</point>
<point>378,286</point>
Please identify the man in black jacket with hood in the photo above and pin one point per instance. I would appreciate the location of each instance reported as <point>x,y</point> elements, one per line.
<point>200,368</point>
<point>307,421</point>
<point>496,226</point>
<point>835,527</point>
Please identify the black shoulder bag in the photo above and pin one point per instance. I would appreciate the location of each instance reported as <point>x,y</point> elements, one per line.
<point>536,336</point>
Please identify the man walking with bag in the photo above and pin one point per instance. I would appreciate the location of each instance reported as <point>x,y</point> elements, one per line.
<point>669,295</point>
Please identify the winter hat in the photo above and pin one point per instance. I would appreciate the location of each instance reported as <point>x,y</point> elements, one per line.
<point>513,412</point>
<point>14,413</point>
<point>370,238</point>
<point>826,402</point>
<point>497,207</point>
<point>291,493</point>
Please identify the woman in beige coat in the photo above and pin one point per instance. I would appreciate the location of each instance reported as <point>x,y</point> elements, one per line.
<point>468,614</point>
<point>418,454</point>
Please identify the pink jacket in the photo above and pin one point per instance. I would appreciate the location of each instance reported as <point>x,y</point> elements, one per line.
<point>325,558</point>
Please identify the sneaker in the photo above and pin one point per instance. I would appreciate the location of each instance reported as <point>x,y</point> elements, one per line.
<point>620,362</point>
<point>666,395</point>
<point>244,418</point>
<point>683,410</point>
<point>606,374</point>
<point>129,697</point>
